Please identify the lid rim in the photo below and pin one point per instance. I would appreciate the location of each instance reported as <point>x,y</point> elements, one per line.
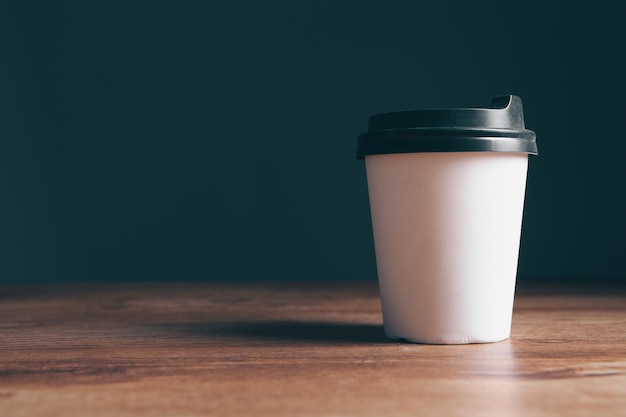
<point>460,143</point>
<point>436,132</point>
<point>456,151</point>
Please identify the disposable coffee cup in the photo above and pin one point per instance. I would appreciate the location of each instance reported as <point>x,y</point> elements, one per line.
<point>446,190</point>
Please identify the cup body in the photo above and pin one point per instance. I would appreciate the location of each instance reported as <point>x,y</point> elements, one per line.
<point>447,232</point>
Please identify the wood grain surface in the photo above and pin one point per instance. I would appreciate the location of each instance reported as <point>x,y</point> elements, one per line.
<point>297,349</point>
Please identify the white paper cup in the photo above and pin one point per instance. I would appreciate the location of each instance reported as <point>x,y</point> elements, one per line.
<point>447,232</point>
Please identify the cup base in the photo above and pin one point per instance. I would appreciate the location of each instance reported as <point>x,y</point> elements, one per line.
<point>459,339</point>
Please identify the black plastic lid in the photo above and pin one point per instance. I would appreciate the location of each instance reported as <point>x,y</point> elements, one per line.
<point>499,128</point>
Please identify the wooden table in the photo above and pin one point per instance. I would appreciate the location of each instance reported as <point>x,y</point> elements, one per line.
<point>308,349</point>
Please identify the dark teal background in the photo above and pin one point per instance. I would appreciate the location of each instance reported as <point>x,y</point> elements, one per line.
<point>204,140</point>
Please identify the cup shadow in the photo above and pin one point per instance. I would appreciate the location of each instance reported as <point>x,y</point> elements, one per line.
<point>285,330</point>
